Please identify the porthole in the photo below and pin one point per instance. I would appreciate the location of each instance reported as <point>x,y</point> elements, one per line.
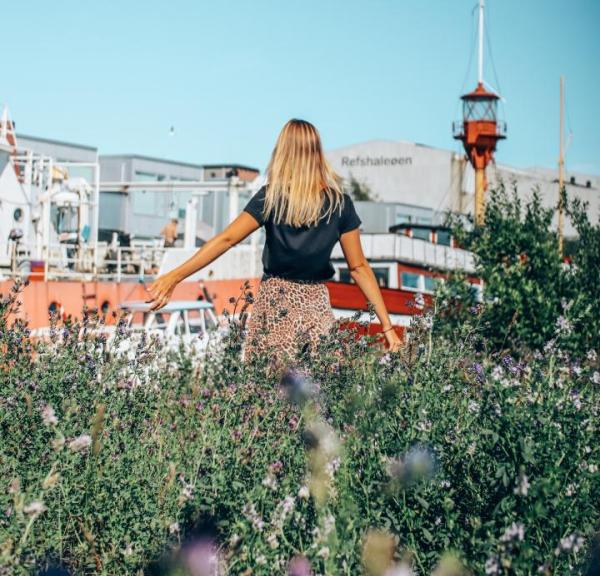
<point>18,215</point>
<point>104,307</point>
<point>54,307</point>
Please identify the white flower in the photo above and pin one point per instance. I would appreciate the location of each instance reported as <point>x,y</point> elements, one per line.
<point>595,377</point>
<point>592,356</point>
<point>35,508</point>
<point>304,493</point>
<point>234,539</point>
<point>80,443</point>
<point>572,543</point>
<point>186,489</point>
<point>522,486</point>
<point>272,540</point>
<point>174,528</point>
<point>592,468</point>
<point>497,373</point>
<point>250,513</point>
<point>492,567</point>
<point>261,560</point>
<point>323,552</point>
<point>424,426</point>
<point>419,300</point>
<point>570,489</point>
<point>563,325</point>
<point>402,569</point>
<point>516,531</point>
<point>48,416</point>
<point>270,482</point>
<point>128,551</point>
<point>473,407</point>
<point>328,525</point>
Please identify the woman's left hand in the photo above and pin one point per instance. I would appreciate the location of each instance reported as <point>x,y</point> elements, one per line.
<point>161,290</point>
<point>394,343</point>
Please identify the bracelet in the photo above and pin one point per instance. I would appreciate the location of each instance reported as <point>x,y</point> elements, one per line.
<point>387,329</point>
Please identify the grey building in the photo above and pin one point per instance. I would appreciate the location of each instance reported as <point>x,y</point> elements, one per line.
<point>58,150</point>
<point>143,212</point>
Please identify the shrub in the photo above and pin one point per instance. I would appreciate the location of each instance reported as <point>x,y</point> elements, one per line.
<point>529,291</point>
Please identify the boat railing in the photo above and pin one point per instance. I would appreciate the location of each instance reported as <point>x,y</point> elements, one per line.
<point>64,261</point>
<point>397,247</point>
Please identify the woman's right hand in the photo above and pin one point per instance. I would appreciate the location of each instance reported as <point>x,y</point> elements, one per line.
<point>161,290</point>
<point>393,340</point>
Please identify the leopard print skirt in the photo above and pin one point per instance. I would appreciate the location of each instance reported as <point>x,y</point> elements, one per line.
<point>287,315</point>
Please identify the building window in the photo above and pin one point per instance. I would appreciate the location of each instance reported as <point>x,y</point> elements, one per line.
<point>444,237</point>
<point>421,233</point>
<point>430,283</point>
<point>410,280</point>
<point>381,274</point>
<point>345,275</point>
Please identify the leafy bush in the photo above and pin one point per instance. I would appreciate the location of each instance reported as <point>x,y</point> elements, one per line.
<point>155,461</point>
<point>529,291</point>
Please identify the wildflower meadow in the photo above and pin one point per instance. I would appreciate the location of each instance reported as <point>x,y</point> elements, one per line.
<point>472,451</point>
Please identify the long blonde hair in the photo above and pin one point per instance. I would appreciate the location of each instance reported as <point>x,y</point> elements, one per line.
<point>299,178</point>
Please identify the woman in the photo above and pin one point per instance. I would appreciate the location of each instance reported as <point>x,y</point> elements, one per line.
<point>305,213</point>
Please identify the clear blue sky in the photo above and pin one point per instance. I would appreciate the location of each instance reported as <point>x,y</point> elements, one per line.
<point>228,74</point>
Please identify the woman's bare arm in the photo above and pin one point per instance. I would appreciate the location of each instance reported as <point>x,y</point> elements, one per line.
<point>162,288</point>
<point>363,275</point>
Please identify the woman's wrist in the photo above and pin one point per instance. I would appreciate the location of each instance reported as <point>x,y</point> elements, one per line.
<point>176,276</point>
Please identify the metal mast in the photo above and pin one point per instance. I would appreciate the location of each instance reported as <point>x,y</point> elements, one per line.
<point>480,58</point>
<point>561,170</point>
<point>480,130</point>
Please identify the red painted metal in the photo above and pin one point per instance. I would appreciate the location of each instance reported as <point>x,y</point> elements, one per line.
<point>349,297</point>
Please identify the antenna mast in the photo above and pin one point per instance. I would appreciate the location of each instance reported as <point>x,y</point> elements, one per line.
<point>561,171</point>
<point>480,59</point>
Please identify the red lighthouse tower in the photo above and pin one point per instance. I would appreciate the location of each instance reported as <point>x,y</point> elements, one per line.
<point>480,129</point>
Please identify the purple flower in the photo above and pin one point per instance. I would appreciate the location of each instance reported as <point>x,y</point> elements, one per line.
<point>298,386</point>
<point>479,371</point>
<point>201,558</point>
<point>299,566</point>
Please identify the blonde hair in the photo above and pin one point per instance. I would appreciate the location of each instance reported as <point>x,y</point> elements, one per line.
<point>299,178</point>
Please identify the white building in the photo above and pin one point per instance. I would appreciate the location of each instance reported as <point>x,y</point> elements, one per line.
<point>419,183</point>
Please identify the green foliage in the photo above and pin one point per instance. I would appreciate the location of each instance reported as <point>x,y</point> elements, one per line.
<point>529,293</point>
<point>359,191</point>
<point>116,455</point>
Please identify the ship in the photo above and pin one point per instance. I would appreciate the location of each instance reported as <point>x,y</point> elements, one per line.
<point>49,237</point>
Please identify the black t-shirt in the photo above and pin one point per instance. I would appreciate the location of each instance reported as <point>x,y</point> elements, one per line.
<point>302,253</point>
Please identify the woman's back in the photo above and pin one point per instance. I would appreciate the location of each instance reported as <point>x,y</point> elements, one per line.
<point>302,253</point>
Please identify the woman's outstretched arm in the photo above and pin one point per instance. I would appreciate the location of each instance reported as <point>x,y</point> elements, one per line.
<point>162,288</point>
<point>363,275</point>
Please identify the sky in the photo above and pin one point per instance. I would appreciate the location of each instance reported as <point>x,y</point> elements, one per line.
<point>228,74</point>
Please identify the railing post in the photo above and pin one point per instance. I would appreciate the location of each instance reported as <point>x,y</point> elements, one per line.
<point>119,263</point>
